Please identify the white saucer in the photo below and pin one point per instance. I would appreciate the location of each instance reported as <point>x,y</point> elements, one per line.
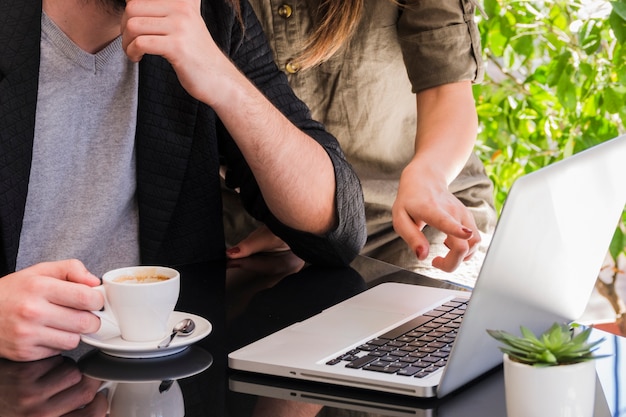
<point>114,345</point>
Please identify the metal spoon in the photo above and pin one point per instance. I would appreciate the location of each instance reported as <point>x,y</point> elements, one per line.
<point>183,328</point>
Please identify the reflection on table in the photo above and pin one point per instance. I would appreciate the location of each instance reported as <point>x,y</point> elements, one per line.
<point>244,301</point>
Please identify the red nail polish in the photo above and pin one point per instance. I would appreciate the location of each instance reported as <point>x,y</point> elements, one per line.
<point>233,250</point>
<point>468,230</point>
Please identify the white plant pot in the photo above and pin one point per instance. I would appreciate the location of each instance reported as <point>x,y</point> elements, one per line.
<point>553,391</point>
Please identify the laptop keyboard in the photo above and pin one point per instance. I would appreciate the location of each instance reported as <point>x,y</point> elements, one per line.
<point>416,348</point>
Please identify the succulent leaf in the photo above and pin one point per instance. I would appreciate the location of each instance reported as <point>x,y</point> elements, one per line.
<point>556,346</point>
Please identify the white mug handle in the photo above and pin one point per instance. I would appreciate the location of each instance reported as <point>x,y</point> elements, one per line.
<point>108,322</point>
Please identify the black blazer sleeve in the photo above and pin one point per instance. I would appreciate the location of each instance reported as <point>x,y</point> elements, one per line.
<point>251,53</point>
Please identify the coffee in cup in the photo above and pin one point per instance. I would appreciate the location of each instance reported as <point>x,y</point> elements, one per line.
<point>139,301</point>
<point>141,279</point>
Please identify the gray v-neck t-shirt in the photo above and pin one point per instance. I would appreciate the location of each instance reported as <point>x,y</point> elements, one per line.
<point>81,198</point>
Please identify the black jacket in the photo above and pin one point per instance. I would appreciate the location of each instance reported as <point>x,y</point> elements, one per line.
<point>180,212</point>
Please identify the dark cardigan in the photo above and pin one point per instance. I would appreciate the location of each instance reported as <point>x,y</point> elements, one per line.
<point>180,144</point>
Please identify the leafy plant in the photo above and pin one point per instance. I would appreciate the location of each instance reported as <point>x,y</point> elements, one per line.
<point>555,84</point>
<point>556,346</point>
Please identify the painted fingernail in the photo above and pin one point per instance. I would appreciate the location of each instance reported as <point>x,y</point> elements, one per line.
<point>467,230</point>
<point>233,251</point>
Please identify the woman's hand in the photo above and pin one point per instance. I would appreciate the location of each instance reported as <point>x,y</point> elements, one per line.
<point>423,199</point>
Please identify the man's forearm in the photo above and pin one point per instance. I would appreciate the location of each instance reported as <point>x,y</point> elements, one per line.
<point>294,172</point>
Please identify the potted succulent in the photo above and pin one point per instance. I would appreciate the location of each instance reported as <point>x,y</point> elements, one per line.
<point>550,375</point>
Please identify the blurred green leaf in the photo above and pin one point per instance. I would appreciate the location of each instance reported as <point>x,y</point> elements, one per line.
<point>613,99</point>
<point>619,7</point>
<point>617,243</point>
<point>618,24</point>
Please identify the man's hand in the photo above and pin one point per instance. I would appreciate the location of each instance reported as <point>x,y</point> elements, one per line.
<point>45,308</point>
<point>175,30</point>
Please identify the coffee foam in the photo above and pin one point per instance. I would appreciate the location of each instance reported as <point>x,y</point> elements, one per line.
<point>141,279</point>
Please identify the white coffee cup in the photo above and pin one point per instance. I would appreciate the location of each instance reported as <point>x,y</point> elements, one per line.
<point>139,301</point>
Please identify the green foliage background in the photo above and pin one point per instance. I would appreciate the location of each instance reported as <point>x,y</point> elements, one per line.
<point>555,84</point>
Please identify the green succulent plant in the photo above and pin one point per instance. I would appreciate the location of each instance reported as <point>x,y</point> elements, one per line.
<point>556,346</point>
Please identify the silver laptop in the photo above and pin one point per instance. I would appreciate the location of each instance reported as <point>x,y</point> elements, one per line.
<point>546,252</point>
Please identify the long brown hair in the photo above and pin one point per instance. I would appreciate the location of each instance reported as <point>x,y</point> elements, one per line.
<point>237,8</point>
<point>335,23</point>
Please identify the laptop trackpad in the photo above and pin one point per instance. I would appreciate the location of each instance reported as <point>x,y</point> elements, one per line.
<point>348,323</point>
<point>373,312</point>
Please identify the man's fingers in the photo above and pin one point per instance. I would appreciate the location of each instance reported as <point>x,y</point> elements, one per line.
<point>71,295</point>
<point>71,270</point>
<point>25,352</point>
<point>157,27</point>
<point>37,341</point>
<point>55,321</point>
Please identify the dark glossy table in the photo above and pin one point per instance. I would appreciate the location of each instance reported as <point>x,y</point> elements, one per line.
<point>244,301</point>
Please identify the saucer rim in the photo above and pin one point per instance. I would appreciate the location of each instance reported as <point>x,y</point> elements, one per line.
<point>115,346</point>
